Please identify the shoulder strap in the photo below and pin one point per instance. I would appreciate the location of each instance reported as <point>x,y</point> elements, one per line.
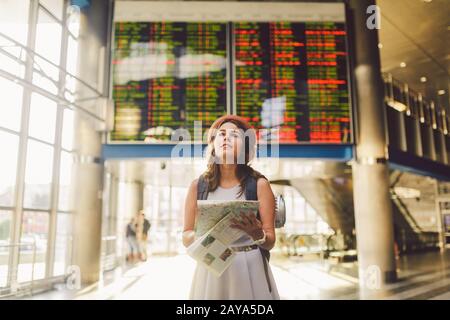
<point>251,193</point>
<point>202,188</point>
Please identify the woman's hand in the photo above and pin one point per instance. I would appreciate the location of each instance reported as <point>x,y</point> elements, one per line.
<point>249,224</point>
<point>188,237</point>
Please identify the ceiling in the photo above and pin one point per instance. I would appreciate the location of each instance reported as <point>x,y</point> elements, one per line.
<point>417,32</point>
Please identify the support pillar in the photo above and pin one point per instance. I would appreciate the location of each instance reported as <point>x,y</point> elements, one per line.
<point>89,167</point>
<point>373,211</point>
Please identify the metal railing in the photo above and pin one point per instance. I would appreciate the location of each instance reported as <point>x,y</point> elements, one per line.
<point>108,253</point>
<point>13,288</point>
<point>18,53</point>
<point>416,124</point>
<point>403,209</point>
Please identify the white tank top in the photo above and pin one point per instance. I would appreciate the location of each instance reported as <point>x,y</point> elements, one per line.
<point>231,194</point>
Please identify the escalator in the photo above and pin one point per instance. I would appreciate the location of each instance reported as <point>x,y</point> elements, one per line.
<point>330,194</point>
<point>408,233</point>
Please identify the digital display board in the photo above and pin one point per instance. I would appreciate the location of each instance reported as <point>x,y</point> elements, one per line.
<point>281,66</point>
<point>165,76</point>
<point>292,78</point>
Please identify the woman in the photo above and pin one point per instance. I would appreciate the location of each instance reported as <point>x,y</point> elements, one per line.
<point>231,139</point>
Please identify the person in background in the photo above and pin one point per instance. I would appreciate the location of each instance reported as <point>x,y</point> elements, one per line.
<point>143,229</point>
<point>133,247</point>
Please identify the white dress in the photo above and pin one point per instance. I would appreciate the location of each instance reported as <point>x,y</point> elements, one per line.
<point>245,278</point>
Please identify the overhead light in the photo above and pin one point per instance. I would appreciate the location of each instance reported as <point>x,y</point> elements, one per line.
<point>427,1</point>
<point>380,45</point>
<point>441,92</point>
<point>402,64</point>
<point>423,79</point>
<point>400,107</point>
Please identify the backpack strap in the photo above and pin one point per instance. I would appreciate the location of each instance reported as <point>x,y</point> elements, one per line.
<point>202,188</point>
<point>251,193</point>
<point>251,189</point>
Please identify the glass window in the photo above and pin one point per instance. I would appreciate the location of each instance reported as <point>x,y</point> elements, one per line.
<point>63,243</point>
<point>12,49</point>
<point>65,179</point>
<point>48,76</point>
<point>14,19</point>
<point>10,65</point>
<point>72,56</point>
<point>8,167</point>
<point>67,131</point>
<point>71,67</point>
<point>69,93</point>
<point>33,246</point>
<point>48,37</point>
<point>45,83</point>
<point>11,107</point>
<point>157,207</point>
<point>54,6</point>
<point>73,20</point>
<point>310,212</point>
<point>46,67</point>
<point>5,229</point>
<point>38,175</point>
<point>298,206</point>
<point>42,118</point>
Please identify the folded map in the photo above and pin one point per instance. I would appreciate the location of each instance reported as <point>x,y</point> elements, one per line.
<point>214,234</point>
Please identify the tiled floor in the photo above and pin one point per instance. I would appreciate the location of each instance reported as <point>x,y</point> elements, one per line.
<point>421,276</point>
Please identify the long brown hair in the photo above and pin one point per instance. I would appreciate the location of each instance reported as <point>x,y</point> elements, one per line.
<point>243,170</point>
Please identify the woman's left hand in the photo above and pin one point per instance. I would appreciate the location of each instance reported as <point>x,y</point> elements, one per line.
<point>249,224</point>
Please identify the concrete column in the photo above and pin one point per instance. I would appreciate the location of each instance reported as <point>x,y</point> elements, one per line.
<point>88,176</point>
<point>373,211</point>
<point>88,167</point>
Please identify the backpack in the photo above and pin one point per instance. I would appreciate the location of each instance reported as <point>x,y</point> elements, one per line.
<point>250,194</point>
<point>280,211</point>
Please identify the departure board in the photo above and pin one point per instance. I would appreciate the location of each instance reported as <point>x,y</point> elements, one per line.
<point>165,76</point>
<point>288,79</point>
<point>291,80</point>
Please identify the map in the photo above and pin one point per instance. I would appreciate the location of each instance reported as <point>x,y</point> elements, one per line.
<point>210,212</point>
